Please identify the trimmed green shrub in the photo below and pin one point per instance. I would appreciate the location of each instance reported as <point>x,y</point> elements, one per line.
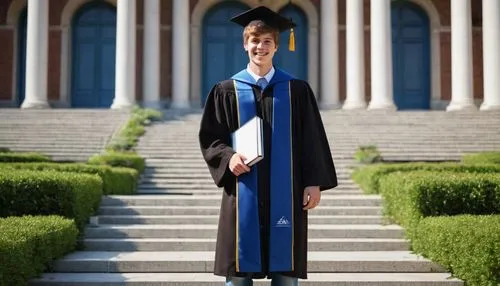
<point>67,194</point>
<point>469,246</point>
<point>124,180</point>
<point>127,138</point>
<point>116,181</point>
<point>23,157</point>
<point>120,159</point>
<point>367,154</point>
<point>482,158</point>
<point>368,177</point>
<point>411,196</point>
<point>28,244</point>
<point>147,114</point>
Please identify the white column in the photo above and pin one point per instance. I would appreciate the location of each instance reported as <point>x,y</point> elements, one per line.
<point>491,58</point>
<point>36,55</point>
<point>125,55</point>
<point>132,22</point>
<point>329,55</point>
<point>355,59</point>
<point>180,59</point>
<point>461,56</point>
<point>381,55</point>
<point>151,54</point>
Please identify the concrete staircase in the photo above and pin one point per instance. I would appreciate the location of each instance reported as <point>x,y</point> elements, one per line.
<point>165,235</point>
<point>63,134</point>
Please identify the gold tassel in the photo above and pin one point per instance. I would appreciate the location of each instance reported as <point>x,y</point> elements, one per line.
<point>291,44</point>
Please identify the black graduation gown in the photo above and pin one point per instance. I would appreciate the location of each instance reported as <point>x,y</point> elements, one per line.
<point>312,165</point>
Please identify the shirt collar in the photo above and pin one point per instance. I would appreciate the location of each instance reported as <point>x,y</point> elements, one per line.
<point>268,76</point>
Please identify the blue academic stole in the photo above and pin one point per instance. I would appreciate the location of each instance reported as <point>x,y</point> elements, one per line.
<point>281,239</point>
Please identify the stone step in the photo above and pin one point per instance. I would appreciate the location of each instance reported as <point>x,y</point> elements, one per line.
<point>208,279</point>
<point>63,155</point>
<point>60,137</point>
<point>60,148</point>
<point>214,210</point>
<point>203,261</point>
<point>208,244</point>
<point>199,162</point>
<point>347,145</point>
<point>199,166</point>
<point>207,200</point>
<point>367,132</point>
<point>196,184</point>
<point>165,173</point>
<point>162,153</point>
<point>210,231</point>
<point>214,219</point>
<point>340,190</point>
<point>206,186</point>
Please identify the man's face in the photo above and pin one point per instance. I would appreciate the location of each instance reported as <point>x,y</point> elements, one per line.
<point>261,49</point>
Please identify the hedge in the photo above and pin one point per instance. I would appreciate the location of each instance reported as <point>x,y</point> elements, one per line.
<point>411,196</point>
<point>23,157</point>
<point>128,136</point>
<point>120,159</point>
<point>67,194</point>
<point>368,177</point>
<point>29,244</point>
<point>467,245</point>
<point>482,158</point>
<point>116,181</point>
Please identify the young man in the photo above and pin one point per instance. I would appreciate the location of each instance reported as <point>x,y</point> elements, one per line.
<point>263,217</point>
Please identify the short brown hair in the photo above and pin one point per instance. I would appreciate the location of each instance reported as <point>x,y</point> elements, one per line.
<point>257,28</point>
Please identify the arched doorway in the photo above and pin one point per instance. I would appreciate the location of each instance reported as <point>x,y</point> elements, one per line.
<point>93,55</point>
<point>21,56</point>
<point>295,62</point>
<point>411,56</point>
<point>223,54</point>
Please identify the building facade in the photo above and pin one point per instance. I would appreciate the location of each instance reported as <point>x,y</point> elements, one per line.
<point>356,54</point>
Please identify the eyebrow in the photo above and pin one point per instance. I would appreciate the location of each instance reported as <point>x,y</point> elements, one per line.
<point>263,38</point>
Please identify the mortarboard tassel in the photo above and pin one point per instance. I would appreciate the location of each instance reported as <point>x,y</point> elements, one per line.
<point>291,44</point>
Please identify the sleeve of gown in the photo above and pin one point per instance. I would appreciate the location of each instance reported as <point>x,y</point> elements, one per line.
<point>214,136</point>
<point>318,168</point>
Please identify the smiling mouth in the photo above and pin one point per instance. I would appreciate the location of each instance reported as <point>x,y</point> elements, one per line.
<point>260,54</point>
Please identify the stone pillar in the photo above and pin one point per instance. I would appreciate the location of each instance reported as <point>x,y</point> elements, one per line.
<point>381,55</point>
<point>125,55</point>
<point>355,58</point>
<point>491,58</point>
<point>180,58</point>
<point>461,56</point>
<point>37,54</point>
<point>151,54</point>
<point>329,55</point>
<point>132,51</point>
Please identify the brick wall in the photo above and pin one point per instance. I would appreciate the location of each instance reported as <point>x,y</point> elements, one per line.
<point>6,53</point>
<point>6,63</point>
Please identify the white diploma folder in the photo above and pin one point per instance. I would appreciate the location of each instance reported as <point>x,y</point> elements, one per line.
<point>248,141</point>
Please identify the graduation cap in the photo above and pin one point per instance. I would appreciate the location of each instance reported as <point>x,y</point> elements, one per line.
<point>271,19</point>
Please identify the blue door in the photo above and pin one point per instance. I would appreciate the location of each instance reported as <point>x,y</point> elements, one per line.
<point>223,52</point>
<point>93,63</point>
<point>294,63</point>
<point>21,60</point>
<point>411,56</point>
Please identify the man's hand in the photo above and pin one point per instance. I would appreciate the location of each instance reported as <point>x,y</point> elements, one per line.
<point>312,197</point>
<point>236,165</point>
